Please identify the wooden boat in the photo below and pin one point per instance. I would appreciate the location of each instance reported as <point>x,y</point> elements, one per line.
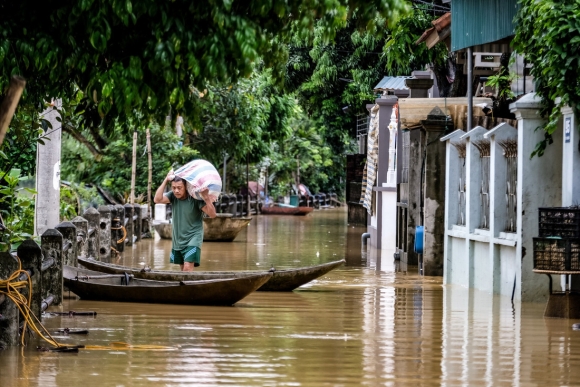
<point>223,228</point>
<point>281,281</point>
<point>276,210</point>
<point>95,285</point>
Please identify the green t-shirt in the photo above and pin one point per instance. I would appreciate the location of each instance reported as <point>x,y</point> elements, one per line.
<point>187,219</point>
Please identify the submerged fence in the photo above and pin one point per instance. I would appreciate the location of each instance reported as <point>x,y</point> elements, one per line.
<point>99,233</point>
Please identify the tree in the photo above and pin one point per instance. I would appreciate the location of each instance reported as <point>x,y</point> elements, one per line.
<point>150,56</point>
<point>548,34</point>
<point>334,80</point>
<point>113,172</point>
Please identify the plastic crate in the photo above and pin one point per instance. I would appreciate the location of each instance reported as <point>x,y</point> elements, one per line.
<point>560,222</point>
<point>556,254</point>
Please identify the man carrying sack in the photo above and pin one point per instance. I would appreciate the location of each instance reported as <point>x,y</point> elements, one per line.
<point>187,220</point>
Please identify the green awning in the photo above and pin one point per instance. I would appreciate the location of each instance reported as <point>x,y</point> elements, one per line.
<point>475,22</point>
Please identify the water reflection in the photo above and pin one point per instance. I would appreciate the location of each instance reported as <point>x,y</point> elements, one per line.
<point>369,323</point>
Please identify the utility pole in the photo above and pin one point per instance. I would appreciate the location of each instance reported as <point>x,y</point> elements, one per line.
<point>47,209</point>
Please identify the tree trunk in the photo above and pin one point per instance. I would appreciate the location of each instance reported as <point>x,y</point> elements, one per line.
<point>133,169</point>
<point>9,104</point>
<point>83,140</point>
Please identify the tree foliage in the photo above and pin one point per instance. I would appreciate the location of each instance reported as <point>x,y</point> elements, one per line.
<point>113,172</point>
<point>548,34</point>
<point>150,56</point>
<point>334,81</point>
<point>241,120</point>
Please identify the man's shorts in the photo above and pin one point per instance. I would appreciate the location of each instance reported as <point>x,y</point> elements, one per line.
<point>191,254</point>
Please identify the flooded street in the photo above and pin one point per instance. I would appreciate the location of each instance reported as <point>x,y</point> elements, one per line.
<point>367,323</point>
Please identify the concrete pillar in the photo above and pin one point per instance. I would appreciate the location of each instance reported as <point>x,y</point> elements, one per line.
<point>146,221</point>
<point>381,189</point>
<point>82,226</point>
<point>51,245</point>
<point>137,217</point>
<point>92,216</point>
<point>473,176</point>
<point>69,241</point>
<point>120,223</point>
<point>414,218</point>
<point>104,231</point>
<point>8,311</point>
<point>30,256</point>
<point>452,177</point>
<point>570,159</point>
<point>47,209</point>
<point>436,125</point>
<point>419,88</point>
<point>539,185</point>
<point>498,206</point>
<point>129,224</point>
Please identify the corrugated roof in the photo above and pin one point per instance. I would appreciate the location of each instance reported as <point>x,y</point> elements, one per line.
<point>391,83</point>
<point>481,21</point>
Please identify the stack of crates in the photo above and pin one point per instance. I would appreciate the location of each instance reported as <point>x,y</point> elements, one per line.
<point>558,246</point>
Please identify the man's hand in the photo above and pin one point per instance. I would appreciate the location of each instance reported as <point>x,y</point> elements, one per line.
<point>204,193</point>
<point>159,196</point>
<point>209,209</point>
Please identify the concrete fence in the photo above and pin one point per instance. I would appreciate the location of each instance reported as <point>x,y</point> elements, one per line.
<point>100,233</point>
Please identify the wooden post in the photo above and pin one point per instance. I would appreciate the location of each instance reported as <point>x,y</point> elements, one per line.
<point>298,175</point>
<point>9,103</point>
<point>133,168</point>
<point>266,187</point>
<point>249,210</point>
<point>149,174</point>
<point>224,187</point>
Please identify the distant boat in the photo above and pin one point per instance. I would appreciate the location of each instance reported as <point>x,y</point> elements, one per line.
<point>281,281</point>
<point>223,228</point>
<point>95,285</point>
<point>286,210</point>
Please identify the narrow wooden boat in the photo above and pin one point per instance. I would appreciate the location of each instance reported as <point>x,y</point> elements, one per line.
<point>223,228</point>
<point>95,285</point>
<point>286,210</point>
<point>281,281</point>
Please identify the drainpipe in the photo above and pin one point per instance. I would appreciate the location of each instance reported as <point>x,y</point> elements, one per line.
<point>469,88</point>
<point>363,239</point>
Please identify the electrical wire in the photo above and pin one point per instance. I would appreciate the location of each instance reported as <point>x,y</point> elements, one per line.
<point>11,289</point>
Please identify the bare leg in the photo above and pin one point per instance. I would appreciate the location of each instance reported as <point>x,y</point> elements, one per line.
<point>181,267</point>
<point>187,266</point>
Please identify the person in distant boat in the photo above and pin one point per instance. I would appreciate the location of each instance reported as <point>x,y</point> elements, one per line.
<point>187,219</point>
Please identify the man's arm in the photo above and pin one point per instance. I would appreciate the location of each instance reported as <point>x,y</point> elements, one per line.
<point>159,197</point>
<point>209,209</point>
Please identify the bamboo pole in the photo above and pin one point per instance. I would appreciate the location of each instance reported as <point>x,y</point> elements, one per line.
<point>134,168</point>
<point>150,174</point>
<point>248,183</point>
<point>9,104</point>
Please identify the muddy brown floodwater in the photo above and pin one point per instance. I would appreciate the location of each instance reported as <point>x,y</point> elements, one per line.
<point>365,324</point>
